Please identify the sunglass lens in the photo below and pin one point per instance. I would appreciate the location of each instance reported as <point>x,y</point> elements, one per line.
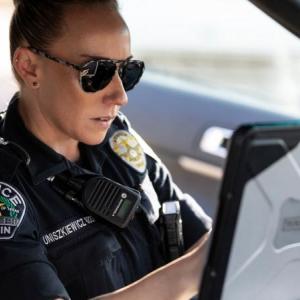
<point>131,74</point>
<point>101,78</point>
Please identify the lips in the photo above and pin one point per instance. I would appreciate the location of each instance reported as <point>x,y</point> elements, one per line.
<point>104,118</point>
<point>103,122</point>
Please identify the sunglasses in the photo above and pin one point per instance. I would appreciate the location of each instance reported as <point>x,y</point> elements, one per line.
<point>95,75</point>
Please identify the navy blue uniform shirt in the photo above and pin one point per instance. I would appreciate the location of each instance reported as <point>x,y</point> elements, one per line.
<point>51,247</point>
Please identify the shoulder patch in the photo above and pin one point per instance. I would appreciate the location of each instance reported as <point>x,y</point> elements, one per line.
<point>127,147</point>
<point>12,210</point>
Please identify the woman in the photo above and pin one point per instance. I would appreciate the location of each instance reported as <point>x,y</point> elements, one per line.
<point>73,63</point>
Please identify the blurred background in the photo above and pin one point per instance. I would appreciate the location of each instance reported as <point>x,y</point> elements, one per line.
<point>224,47</point>
<point>228,45</point>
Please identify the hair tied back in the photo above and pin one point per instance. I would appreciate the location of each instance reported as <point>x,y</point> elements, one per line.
<point>20,2</point>
<point>17,2</point>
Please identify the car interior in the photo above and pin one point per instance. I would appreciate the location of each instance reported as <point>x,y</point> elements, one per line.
<point>211,67</point>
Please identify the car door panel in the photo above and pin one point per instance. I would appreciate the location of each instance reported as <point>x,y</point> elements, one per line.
<point>176,122</point>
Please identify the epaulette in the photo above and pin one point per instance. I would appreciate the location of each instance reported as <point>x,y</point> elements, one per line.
<point>122,121</point>
<point>12,156</point>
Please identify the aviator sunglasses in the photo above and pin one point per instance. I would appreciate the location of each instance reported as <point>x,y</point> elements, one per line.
<point>95,75</point>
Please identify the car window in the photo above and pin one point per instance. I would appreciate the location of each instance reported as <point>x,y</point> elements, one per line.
<point>226,45</point>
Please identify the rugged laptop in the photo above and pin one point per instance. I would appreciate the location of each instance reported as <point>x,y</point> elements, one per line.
<point>255,248</point>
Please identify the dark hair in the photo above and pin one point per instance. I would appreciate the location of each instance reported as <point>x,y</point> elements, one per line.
<point>39,22</point>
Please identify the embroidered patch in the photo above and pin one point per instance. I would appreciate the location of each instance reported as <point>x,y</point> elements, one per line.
<point>126,146</point>
<point>67,230</point>
<point>12,210</point>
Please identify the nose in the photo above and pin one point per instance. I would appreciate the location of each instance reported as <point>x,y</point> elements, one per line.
<point>115,92</point>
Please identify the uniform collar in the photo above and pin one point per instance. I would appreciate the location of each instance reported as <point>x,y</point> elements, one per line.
<point>45,162</point>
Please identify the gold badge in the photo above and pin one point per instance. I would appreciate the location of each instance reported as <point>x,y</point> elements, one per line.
<point>126,146</point>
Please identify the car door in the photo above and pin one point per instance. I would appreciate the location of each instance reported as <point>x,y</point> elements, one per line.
<point>191,131</point>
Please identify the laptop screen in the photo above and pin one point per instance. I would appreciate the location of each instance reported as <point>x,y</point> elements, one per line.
<point>255,248</point>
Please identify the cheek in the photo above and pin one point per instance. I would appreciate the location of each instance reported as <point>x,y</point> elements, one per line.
<point>59,95</point>
<point>59,81</point>
<point>68,108</point>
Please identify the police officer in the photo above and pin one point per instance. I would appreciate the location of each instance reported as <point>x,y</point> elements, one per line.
<point>73,63</point>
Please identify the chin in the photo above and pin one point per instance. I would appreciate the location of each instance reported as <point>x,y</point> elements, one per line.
<point>93,140</point>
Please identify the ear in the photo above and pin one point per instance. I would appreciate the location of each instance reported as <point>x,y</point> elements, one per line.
<point>26,65</point>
